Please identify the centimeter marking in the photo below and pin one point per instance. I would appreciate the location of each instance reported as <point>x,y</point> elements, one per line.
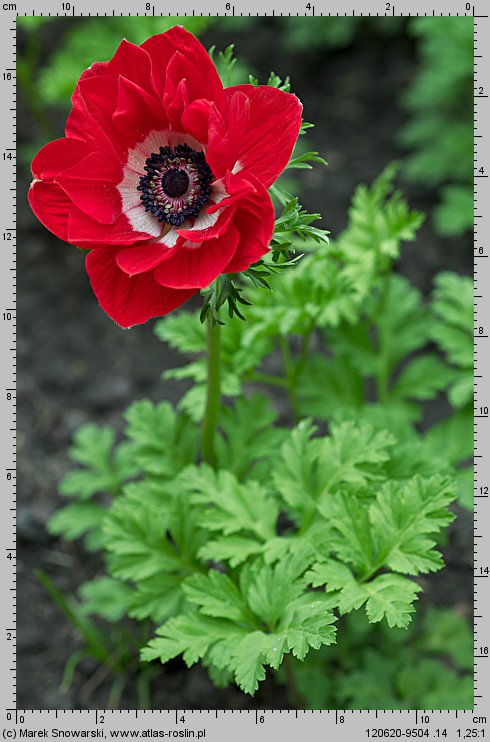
<point>230,10</point>
<point>8,371</point>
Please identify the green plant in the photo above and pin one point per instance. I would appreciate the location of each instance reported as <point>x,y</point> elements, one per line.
<point>303,34</point>
<point>440,131</point>
<point>265,557</point>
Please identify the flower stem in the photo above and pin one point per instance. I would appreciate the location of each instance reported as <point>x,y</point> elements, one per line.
<point>294,369</point>
<point>212,393</point>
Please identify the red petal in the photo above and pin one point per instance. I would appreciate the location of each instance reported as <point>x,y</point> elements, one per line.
<point>132,62</point>
<point>176,100</point>
<point>134,260</point>
<point>254,220</point>
<point>52,206</point>
<point>161,49</point>
<point>220,156</point>
<point>237,189</point>
<point>129,300</point>
<point>196,266</point>
<point>57,156</point>
<point>272,129</point>
<point>225,137</point>
<point>83,229</point>
<point>209,233</point>
<point>137,113</point>
<point>195,119</point>
<point>91,184</point>
<point>197,87</point>
<point>94,101</point>
<point>95,70</point>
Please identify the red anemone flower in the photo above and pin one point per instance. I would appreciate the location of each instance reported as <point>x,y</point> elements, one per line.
<point>163,174</point>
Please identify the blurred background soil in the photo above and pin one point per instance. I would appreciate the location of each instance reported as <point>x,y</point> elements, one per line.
<point>75,365</point>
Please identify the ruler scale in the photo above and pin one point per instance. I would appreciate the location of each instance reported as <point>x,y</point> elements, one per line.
<point>219,725</point>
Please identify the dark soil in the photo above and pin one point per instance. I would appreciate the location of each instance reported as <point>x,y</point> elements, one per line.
<point>75,365</point>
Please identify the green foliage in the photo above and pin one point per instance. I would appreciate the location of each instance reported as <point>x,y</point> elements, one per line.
<point>351,529</point>
<point>231,71</point>
<point>104,469</point>
<point>451,328</point>
<point>244,627</point>
<point>297,536</point>
<point>304,34</point>
<point>440,131</point>
<point>372,666</point>
<point>162,442</point>
<point>337,279</point>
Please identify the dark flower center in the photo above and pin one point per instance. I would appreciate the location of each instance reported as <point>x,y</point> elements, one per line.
<point>175,182</point>
<point>176,185</point>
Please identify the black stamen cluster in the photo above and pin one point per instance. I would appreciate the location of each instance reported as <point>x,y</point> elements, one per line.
<point>174,182</point>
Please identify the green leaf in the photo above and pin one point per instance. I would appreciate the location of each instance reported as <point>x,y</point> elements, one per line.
<point>435,686</point>
<point>249,660</point>
<point>227,635</point>
<point>191,635</point>
<point>452,329</point>
<point>333,283</point>
<point>465,482</point>
<point>182,331</point>
<point>217,596</point>
<point>249,437</point>
<point>302,161</point>
<point>354,455</point>
<point>403,326</point>
<point>451,439</point>
<point>387,596</point>
<point>105,597</point>
<point>273,588</point>
<point>296,473</point>
<point>234,549</point>
<point>423,378</point>
<point>164,442</point>
<point>402,519</point>
<point>158,597</point>
<point>76,519</point>
<point>446,633</point>
<point>228,506</point>
<point>329,385</point>
<point>455,215</point>
<point>276,82</point>
<point>224,63</point>
<point>144,540</point>
<point>309,625</point>
<point>105,469</point>
<point>295,222</point>
<point>462,390</point>
<point>311,468</point>
<point>372,684</point>
<point>390,597</point>
<point>351,537</point>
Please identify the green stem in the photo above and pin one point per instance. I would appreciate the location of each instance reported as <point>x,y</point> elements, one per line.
<point>212,393</point>
<point>383,371</point>
<point>290,369</point>
<point>294,369</point>
<point>268,379</point>
<point>295,695</point>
